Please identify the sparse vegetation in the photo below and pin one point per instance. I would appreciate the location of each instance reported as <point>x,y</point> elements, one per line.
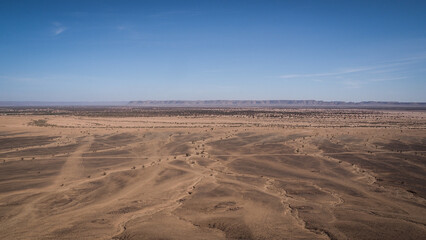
<point>40,123</point>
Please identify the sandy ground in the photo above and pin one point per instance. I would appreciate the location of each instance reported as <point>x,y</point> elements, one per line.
<point>291,175</point>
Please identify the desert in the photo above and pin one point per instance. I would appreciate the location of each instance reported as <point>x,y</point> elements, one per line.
<point>212,173</point>
<point>202,120</point>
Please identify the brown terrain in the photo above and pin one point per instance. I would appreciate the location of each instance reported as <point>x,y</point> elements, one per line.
<point>187,173</point>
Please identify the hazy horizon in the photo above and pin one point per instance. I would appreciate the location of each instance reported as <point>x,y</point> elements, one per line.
<point>218,103</point>
<point>108,51</point>
<point>209,100</point>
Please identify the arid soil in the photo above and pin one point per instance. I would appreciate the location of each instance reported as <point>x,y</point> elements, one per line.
<point>212,174</point>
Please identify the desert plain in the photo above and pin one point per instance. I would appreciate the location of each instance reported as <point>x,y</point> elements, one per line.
<point>189,173</point>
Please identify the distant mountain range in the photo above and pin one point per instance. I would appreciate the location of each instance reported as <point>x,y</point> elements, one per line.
<point>58,104</point>
<point>225,103</point>
<point>278,103</point>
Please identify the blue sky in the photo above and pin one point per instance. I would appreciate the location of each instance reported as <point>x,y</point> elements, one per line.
<point>201,50</point>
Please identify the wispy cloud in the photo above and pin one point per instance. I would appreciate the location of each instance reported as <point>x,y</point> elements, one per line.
<point>387,79</point>
<point>58,28</point>
<point>335,73</point>
<point>387,67</point>
<point>378,68</point>
<point>361,76</point>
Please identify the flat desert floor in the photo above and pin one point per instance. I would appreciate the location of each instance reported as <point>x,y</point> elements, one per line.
<point>113,173</point>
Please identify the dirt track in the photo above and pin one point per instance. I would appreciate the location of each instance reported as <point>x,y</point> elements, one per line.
<point>212,176</point>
